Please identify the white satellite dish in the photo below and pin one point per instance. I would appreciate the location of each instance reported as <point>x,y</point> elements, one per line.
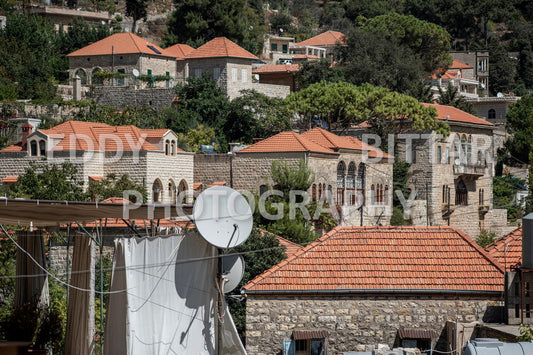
<point>499,94</point>
<point>223,217</point>
<point>232,271</point>
<point>135,73</point>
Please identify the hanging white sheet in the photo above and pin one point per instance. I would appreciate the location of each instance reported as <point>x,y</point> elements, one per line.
<point>170,299</point>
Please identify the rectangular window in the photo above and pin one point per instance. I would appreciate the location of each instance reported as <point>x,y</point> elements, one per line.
<point>216,73</point>
<point>167,82</point>
<point>447,155</point>
<point>439,154</point>
<point>301,345</point>
<point>274,47</point>
<point>243,75</point>
<point>285,48</point>
<point>120,81</point>
<point>234,74</point>
<point>528,310</point>
<point>516,310</point>
<point>197,73</point>
<point>149,71</point>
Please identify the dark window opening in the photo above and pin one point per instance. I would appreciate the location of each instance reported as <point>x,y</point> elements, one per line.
<point>492,113</point>
<point>33,148</point>
<point>461,194</point>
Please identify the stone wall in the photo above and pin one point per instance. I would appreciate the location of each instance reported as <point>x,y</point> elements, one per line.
<point>121,96</point>
<point>357,322</point>
<point>272,90</point>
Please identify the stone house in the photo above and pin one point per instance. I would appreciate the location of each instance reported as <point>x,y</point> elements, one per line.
<point>179,51</point>
<point>123,53</point>
<point>452,177</point>
<point>276,48</point>
<point>480,62</point>
<point>356,287</point>
<point>149,156</point>
<point>361,191</point>
<point>322,45</point>
<point>279,74</point>
<point>459,75</point>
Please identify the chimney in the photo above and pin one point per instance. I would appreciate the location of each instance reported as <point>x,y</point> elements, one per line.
<point>527,241</point>
<point>26,131</point>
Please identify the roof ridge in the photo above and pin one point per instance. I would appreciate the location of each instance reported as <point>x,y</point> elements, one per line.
<point>480,250</point>
<point>508,235</point>
<point>134,41</point>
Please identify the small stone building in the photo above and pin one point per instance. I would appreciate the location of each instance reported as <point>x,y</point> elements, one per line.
<point>322,45</point>
<point>356,287</point>
<point>280,74</point>
<point>361,191</point>
<point>149,156</point>
<point>123,53</point>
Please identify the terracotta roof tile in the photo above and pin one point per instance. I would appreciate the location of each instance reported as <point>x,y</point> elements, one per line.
<point>460,65</point>
<point>290,247</point>
<point>179,51</point>
<point>305,56</point>
<point>119,43</point>
<point>329,38</point>
<point>17,147</point>
<point>196,186</point>
<point>386,258</point>
<point>218,183</point>
<point>220,47</point>
<point>286,142</point>
<point>507,250</point>
<point>335,142</point>
<point>457,115</point>
<point>97,178</point>
<point>10,179</point>
<point>278,68</point>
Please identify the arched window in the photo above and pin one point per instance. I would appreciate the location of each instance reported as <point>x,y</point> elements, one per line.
<point>171,191</point>
<point>373,194</point>
<point>386,196</point>
<point>469,150</point>
<point>350,183</point>
<point>481,197</point>
<point>157,191</point>
<point>360,183</point>
<point>320,191</point>
<point>461,194</point>
<point>341,182</point>
<point>456,150</point>
<point>463,149</point>
<point>479,158</point>
<point>181,188</point>
<point>82,75</point>
<point>172,148</point>
<point>167,147</point>
<point>492,114</point>
<point>42,148</point>
<point>313,192</point>
<point>33,148</point>
<point>329,195</point>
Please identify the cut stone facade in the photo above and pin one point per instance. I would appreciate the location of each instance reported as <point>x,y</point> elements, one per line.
<point>358,322</point>
<point>121,96</point>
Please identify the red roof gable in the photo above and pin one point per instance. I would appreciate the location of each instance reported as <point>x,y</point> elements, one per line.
<point>220,47</point>
<point>507,250</point>
<point>460,65</point>
<point>119,43</point>
<point>179,51</point>
<point>385,258</point>
<point>456,115</point>
<point>278,68</point>
<point>329,38</point>
<point>335,142</point>
<point>286,142</point>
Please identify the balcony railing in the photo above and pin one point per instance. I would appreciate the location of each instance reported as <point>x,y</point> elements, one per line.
<point>470,170</point>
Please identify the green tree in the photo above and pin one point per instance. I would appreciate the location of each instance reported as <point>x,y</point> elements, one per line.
<point>504,190</point>
<point>137,9</point>
<point>261,251</point>
<point>114,186</point>
<point>502,73</point>
<point>485,238</point>
<point>429,41</point>
<point>520,126</point>
<point>50,182</point>
<point>315,72</point>
<point>341,105</point>
<point>452,97</point>
<point>199,136</point>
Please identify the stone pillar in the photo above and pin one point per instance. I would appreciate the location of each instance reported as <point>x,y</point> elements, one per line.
<point>76,88</point>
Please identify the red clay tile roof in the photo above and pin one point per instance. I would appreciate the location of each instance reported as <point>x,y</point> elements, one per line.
<point>97,178</point>
<point>329,38</point>
<point>218,183</point>
<point>90,135</point>
<point>507,250</point>
<point>10,179</point>
<point>179,51</point>
<point>457,115</point>
<point>196,186</point>
<point>278,68</point>
<point>290,247</point>
<point>460,65</point>
<point>335,142</point>
<point>119,43</point>
<point>385,258</point>
<point>17,147</point>
<point>220,47</point>
<point>286,142</point>
<point>116,200</point>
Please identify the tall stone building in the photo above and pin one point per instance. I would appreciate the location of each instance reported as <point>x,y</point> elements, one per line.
<point>451,177</point>
<point>362,191</point>
<point>356,287</point>
<point>149,156</point>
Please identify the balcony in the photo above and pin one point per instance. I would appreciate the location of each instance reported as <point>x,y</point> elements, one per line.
<point>471,171</point>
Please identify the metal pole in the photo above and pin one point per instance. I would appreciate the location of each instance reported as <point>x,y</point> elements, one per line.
<point>220,303</point>
<point>427,203</point>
